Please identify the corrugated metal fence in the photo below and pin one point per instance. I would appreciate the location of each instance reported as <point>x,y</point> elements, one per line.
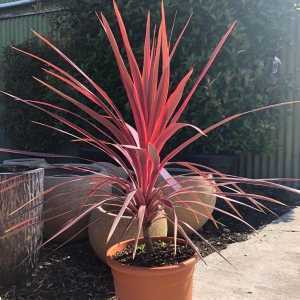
<point>16,22</point>
<point>285,161</point>
<point>16,30</point>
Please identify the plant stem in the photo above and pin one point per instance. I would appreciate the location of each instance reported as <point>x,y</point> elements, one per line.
<point>147,239</point>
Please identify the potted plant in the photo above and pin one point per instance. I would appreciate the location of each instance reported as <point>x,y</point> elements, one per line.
<point>144,267</point>
<point>21,202</point>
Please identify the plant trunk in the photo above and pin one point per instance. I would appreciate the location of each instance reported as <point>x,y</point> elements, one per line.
<point>147,239</point>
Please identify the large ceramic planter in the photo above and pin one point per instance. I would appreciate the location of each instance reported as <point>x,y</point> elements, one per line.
<point>111,169</point>
<point>162,283</point>
<point>19,251</point>
<point>29,162</point>
<point>200,184</point>
<point>101,222</point>
<point>69,199</point>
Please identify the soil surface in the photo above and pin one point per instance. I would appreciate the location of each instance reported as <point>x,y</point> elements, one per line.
<point>71,272</point>
<point>74,272</point>
<point>163,255</point>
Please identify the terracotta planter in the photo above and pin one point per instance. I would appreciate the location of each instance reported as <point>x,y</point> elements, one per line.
<point>162,283</point>
<point>65,202</point>
<point>101,223</point>
<point>203,185</point>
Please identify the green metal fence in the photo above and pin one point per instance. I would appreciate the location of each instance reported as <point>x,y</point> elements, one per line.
<point>16,22</point>
<point>285,161</point>
<point>17,30</point>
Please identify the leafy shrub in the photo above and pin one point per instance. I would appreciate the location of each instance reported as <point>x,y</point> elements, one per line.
<point>17,117</point>
<point>241,79</point>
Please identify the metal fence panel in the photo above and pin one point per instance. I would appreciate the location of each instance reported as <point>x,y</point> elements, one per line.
<point>285,161</point>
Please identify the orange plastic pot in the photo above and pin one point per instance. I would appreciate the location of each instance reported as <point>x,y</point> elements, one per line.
<point>162,283</point>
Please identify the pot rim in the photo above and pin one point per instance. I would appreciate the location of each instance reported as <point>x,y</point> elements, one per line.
<point>24,159</point>
<point>66,176</point>
<point>30,171</point>
<point>147,270</point>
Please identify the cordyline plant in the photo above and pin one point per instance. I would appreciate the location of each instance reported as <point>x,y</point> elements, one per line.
<point>156,111</point>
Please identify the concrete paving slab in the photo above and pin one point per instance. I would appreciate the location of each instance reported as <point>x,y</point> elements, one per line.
<point>266,266</point>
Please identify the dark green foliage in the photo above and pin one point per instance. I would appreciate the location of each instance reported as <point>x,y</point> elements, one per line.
<point>16,117</point>
<point>240,80</point>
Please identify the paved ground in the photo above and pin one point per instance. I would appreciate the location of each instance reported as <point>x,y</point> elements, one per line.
<point>267,266</point>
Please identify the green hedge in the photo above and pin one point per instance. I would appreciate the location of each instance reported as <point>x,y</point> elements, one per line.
<point>240,80</point>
